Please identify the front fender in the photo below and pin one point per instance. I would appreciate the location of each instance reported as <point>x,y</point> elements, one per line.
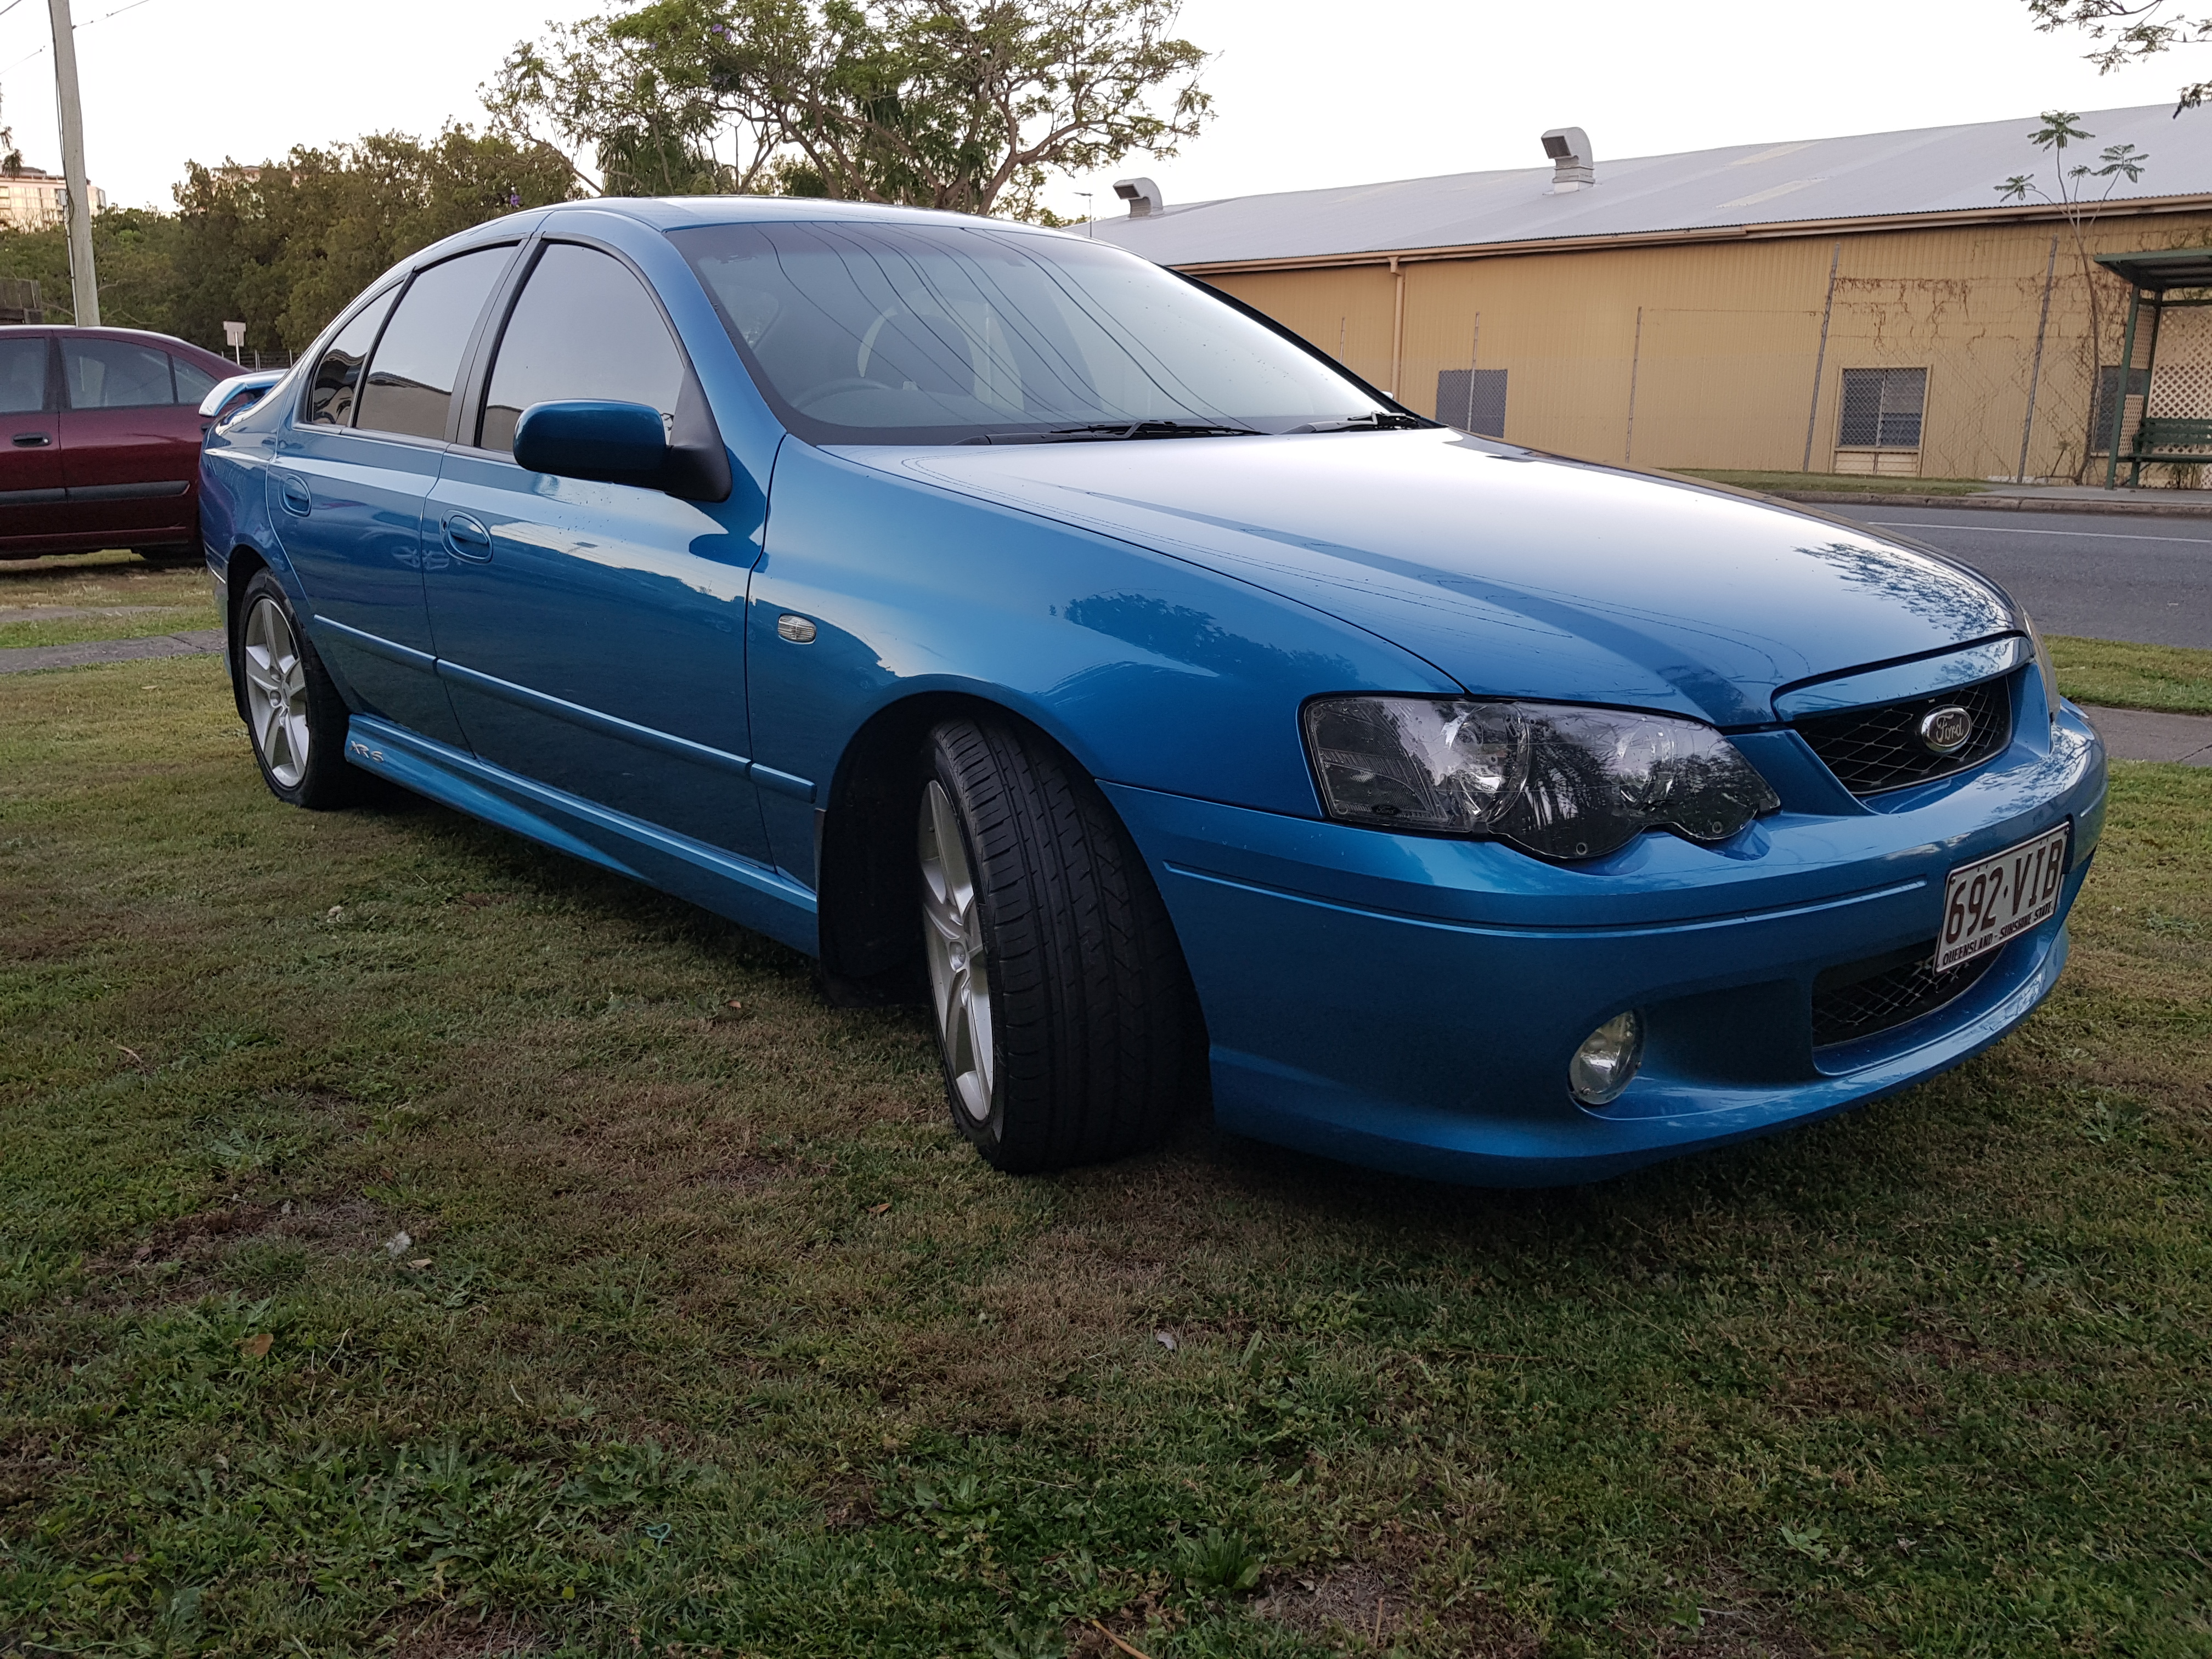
<point>1149,670</point>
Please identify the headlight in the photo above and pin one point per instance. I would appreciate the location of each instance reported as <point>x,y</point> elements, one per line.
<point>1558,780</point>
<point>2044,666</point>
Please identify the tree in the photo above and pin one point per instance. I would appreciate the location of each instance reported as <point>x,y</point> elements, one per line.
<point>2127,31</point>
<point>283,245</point>
<point>966,104</point>
<point>2079,210</point>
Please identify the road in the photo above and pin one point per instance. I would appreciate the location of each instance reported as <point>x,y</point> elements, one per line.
<point>2102,576</point>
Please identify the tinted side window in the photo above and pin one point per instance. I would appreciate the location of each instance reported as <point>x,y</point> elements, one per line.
<point>583,328</point>
<point>115,374</point>
<point>23,374</point>
<point>410,383</point>
<point>193,382</point>
<point>337,377</point>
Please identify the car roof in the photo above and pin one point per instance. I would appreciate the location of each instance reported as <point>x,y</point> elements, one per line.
<point>680,212</point>
<point>166,342</point>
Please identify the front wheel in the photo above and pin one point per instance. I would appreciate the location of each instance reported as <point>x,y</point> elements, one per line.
<point>1064,1013</point>
<point>292,711</point>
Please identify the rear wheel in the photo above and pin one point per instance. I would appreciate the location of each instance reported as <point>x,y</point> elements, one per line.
<point>292,711</point>
<point>1064,1013</point>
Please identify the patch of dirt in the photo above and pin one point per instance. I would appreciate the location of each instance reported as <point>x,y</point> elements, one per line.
<point>1360,1601</point>
<point>458,1636</point>
<point>192,1240</point>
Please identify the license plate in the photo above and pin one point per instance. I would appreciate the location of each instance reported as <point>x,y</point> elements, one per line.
<point>2000,898</point>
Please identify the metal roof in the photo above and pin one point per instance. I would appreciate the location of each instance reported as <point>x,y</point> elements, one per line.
<point>2190,267</point>
<point>1930,170</point>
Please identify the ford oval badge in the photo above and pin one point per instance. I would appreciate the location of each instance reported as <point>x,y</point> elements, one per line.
<point>1946,729</point>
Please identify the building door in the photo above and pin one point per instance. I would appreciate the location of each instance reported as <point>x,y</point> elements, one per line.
<point>352,475</point>
<point>593,635</point>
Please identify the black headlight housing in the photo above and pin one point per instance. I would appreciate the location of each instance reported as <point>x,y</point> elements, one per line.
<point>1559,780</point>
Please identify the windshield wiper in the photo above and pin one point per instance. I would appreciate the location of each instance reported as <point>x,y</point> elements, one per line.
<point>1382,420</point>
<point>1109,431</point>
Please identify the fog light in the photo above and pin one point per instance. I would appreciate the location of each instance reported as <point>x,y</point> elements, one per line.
<point>1607,1060</point>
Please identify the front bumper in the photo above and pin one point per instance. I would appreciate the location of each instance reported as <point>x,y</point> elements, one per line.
<point>1411,1003</point>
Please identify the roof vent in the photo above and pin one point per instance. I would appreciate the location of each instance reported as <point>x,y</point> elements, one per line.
<point>1142,195</point>
<point>1572,165</point>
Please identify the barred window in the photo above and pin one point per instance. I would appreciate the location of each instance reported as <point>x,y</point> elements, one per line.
<point>1472,399</point>
<point>1882,408</point>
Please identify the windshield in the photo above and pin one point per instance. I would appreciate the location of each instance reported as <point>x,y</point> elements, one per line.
<point>876,333</point>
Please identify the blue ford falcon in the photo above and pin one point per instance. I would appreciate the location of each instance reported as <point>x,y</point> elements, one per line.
<point>1008,623</point>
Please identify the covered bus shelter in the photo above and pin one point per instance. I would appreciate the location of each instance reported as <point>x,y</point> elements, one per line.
<point>2174,427</point>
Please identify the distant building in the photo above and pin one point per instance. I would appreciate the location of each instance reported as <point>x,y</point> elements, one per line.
<point>34,199</point>
<point>1868,304</point>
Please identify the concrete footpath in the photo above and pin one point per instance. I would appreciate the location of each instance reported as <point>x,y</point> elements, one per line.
<point>192,642</point>
<point>2130,733</point>
<point>2025,498</point>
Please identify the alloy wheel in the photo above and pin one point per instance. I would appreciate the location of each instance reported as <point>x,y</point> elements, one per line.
<point>276,693</point>
<point>959,972</point>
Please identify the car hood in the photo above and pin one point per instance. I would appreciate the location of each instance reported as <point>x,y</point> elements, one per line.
<point>1517,574</point>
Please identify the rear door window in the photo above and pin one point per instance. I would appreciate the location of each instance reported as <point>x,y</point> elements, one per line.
<point>193,382</point>
<point>417,364</point>
<point>23,374</point>
<point>115,374</point>
<point>583,328</point>
<point>331,394</point>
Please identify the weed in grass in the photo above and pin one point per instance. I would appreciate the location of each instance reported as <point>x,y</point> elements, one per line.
<point>721,1338</point>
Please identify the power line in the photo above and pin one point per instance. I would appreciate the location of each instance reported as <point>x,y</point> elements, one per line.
<point>103,17</point>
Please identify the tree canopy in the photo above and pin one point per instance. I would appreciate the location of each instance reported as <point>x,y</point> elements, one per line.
<point>2127,31</point>
<point>966,104</point>
<point>283,245</point>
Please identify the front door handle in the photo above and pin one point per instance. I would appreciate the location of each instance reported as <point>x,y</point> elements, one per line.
<point>466,538</point>
<point>296,498</point>
<point>34,440</point>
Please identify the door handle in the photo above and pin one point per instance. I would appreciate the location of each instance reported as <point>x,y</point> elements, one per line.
<point>33,440</point>
<point>466,538</point>
<point>296,499</point>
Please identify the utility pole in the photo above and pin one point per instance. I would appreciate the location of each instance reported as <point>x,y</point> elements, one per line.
<point>84,285</point>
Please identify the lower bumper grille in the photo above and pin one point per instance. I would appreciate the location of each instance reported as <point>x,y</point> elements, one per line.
<point>1858,999</point>
<point>1874,750</point>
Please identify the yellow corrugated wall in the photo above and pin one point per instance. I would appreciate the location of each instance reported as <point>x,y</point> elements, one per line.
<point>1717,371</point>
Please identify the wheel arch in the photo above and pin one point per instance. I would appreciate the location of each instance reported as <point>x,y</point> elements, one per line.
<point>865,894</point>
<point>239,569</point>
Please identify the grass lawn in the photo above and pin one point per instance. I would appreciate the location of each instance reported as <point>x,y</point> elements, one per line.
<point>2118,675</point>
<point>99,596</point>
<point>1839,482</point>
<point>414,1243</point>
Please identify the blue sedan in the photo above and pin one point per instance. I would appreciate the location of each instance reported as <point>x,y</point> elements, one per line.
<point>1011,623</point>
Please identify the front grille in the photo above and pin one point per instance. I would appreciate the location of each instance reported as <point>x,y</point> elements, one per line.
<point>1858,999</point>
<point>1874,750</point>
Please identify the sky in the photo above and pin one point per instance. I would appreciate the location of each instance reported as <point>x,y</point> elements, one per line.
<point>1306,94</point>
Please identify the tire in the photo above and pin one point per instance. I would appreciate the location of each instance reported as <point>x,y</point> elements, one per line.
<point>1064,1013</point>
<point>294,714</point>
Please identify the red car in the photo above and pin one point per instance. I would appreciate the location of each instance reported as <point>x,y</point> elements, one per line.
<point>99,441</point>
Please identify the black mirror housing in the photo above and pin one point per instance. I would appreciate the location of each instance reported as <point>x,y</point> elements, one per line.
<point>627,444</point>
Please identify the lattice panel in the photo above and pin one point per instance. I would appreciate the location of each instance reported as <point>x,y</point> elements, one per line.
<point>2181,382</point>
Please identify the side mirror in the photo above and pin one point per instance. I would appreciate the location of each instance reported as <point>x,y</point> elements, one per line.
<point>238,393</point>
<point>621,443</point>
<point>608,442</point>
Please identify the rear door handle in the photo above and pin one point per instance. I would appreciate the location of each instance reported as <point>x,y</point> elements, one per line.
<point>466,538</point>
<point>33,440</point>
<point>296,499</point>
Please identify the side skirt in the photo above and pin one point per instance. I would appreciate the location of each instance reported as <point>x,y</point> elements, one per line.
<point>751,894</point>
